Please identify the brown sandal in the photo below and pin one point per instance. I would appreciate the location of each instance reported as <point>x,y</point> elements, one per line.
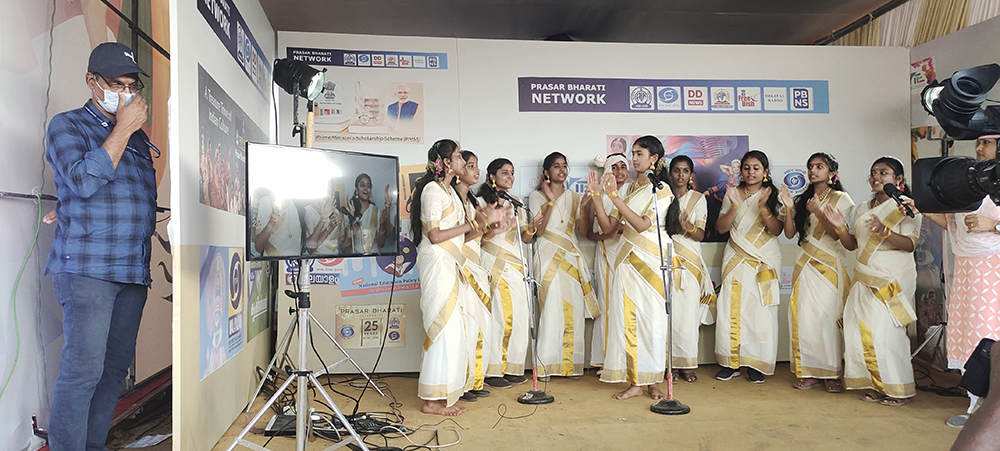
<point>833,386</point>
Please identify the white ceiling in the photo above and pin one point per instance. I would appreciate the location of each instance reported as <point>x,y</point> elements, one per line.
<point>685,21</point>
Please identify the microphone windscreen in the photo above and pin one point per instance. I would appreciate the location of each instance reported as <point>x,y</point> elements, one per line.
<point>889,189</point>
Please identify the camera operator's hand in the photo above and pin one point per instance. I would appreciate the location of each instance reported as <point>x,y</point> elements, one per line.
<point>909,203</point>
<point>976,223</point>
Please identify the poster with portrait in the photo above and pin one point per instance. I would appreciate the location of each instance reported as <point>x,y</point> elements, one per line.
<point>364,276</point>
<point>224,132</point>
<point>222,294</point>
<point>716,160</point>
<point>352,110</point>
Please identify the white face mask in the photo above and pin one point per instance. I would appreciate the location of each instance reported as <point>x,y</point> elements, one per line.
<point>110,102</point>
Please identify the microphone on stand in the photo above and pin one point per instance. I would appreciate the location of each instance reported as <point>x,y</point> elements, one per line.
<point>657,183</point>
<point>505,196</point>
<point>346,212</point>
<point>890,190</point>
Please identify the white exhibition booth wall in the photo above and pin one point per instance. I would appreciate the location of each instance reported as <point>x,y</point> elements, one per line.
<point>215,105</point>
<point>468,90</point>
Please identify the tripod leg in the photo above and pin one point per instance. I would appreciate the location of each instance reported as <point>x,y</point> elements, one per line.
<point>274,360</point>
<point>340,415</point>
<point>344,351</point>
<point>256,418</point>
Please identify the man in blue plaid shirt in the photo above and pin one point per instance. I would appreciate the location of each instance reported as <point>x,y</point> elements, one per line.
<point>100,256</point>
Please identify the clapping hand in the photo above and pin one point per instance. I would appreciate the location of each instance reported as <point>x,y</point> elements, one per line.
<point>765,194</point>
<point>834,217</point>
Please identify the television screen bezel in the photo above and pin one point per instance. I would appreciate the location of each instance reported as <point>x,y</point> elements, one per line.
<point>249,216</point>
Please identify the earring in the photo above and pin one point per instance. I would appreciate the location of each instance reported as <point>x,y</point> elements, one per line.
<point>493,184</point>
<point>829,181</point>
<point>547,179</point>
<point>690,184</point>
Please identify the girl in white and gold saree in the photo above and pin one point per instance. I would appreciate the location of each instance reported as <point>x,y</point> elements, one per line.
<point>693,289</point>
<point>369,229</point>
<point>606,250</point>
<point>746,332</point>
<point>439,227</point>
<point>880,302</point>
<point>820,281</point>
<point>509,301</point>
<point>565,295</point>
<point>637,317</point>
<point>478,319</point>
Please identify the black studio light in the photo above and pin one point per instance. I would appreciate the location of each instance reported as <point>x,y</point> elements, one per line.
<point>298,78</point>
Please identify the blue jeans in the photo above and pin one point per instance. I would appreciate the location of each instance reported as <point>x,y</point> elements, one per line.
<point>100,323</point>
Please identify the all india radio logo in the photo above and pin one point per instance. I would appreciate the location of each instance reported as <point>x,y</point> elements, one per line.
<point>640,97</point>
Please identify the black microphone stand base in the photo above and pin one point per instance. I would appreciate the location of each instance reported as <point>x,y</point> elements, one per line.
<point>536,397</point>
<point>670,407</point>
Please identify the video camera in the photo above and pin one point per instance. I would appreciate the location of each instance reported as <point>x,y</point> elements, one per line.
<point>949,183</point>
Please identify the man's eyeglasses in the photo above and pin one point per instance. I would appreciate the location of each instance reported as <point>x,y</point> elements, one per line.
<point>114,86</point>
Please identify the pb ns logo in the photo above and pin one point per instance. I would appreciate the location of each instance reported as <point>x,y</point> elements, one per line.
<point>802,99</point>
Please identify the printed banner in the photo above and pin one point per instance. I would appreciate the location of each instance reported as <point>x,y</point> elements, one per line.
<point>353,110</point>
<point>369,58</point>
<point>259,281</point>
<point>363,326</point>
<point>922,73</point>
<point>364,276</point>
<point>408,176</point>
<point>619,95</point>
<point>222,294</point>
<point>225,130</point>
<point>223,16</point>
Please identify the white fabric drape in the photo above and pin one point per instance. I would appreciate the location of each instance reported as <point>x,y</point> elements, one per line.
<point>898,25</point>
<point>981,10</point>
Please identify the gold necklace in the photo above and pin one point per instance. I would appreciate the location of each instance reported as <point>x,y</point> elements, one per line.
<point>822,196</point>
<point>747,192</point>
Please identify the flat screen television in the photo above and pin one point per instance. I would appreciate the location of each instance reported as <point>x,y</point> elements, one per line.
<point>305,203</point>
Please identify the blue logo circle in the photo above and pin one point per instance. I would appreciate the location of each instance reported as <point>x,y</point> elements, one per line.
<point>795,180</point>
<point>394,335</point>
<point>668,95</point>
<point>347,331</point>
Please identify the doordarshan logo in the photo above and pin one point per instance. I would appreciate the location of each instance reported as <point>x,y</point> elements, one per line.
<point>640,97</point>
<point>347,331</point>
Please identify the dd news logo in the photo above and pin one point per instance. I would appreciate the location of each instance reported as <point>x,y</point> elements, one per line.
<point>696,99</point>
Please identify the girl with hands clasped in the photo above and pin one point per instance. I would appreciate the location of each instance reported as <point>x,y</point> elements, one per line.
<point>509,302</point>
<point>880,302</point>
<point>606,249</point>
<point>478,320</point>
<point>439,228</point>
<point>820,280</point>
<point>637,320</point>
<point>694,293</point>
<point>746,334</point>
<point>566,296</point>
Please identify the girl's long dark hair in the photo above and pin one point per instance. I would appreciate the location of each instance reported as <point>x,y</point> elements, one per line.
<point>486,190</point>
<point>673,221</point>
<point>768,182</point>
<point>897,168</point>
<point>662,174</point>
<point>801,213</point>
<point>442,151</point>
<point>355,200</point>
<point>466,154</point>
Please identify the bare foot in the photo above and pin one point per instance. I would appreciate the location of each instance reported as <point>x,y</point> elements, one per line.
<point>438,407</point>
<point>655,392</point>
<point>807,383</point>
<point>631,392</point>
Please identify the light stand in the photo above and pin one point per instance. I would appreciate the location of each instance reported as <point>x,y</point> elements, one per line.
<point>302,376</point>
<point>668,405</point>
<point>533,396</point>
<point>287,75</point>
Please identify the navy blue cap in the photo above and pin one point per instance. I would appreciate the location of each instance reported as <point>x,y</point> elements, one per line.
<point>113,59</point>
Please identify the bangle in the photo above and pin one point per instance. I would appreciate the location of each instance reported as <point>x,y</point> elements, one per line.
<point>766,211</point>
<point>841,230</point>
<point>693,229</point>
<point>530,231</point>
<point>548,204</point>
<point>613,193</point>
<point>474,224</point>
<point>595,194</point>
<point>486,228</point>
<point>885,233</point>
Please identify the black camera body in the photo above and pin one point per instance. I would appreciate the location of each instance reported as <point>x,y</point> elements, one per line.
<point>954,184</point>
<point>977,370</point>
